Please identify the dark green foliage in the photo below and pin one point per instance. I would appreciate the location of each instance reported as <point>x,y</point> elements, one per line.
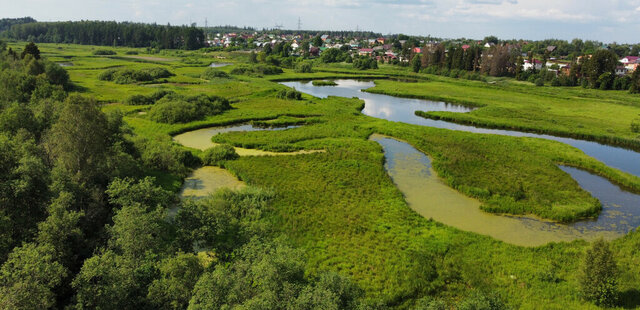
<point>416,64</point>
<point>600,68</point>
<point>635,125</point>
<point>178,276</point>
<point>23,189</point>
<point>304,67</point>
<point>480,301</point>
<point>290,94</point>
<point>104,52</point>
<point>138,100</point>
<point>127,191</point>
<point>7,23</point>
<point>128,76</point>
<point>149,99</point>
<point>106,33</point>
<point>598,275</point>
<point>213,156</point>
<point>131,53</point>
<point>539,82</point>
<point>31,49</point>
<point>270,275</point>
<point>178,109</point>
<point>332,55</point>
<point>258,69</point>
<point>212,73</point>
<point>29,277</point>
<point>165,156</point>
<point>224,221</point>
<point>364,63</point>
<point>56,74</point>
<point>634,87</point>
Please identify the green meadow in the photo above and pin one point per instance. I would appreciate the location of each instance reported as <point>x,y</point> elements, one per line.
<point>342,208</point>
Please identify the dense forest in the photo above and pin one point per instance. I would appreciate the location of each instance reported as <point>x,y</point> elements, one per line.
<point>6,23</point>
<point>110,34</point>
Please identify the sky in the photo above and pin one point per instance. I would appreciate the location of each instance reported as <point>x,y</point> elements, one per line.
<point>602,20</point>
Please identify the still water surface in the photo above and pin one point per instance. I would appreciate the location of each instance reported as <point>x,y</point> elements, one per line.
<point>403,110</point>
<point>430,197</point>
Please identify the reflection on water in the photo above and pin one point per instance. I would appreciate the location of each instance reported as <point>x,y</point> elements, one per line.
<point>403,110</point>
<point>429,196</point>
<point>219,64</point>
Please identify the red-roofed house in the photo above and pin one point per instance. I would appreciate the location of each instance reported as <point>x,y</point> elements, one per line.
<point>630,63</point>
<point>466,47</point>
<point>365,51</point>
<point>417,50</point>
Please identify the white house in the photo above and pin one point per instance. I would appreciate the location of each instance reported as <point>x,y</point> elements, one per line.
<point>537,65</point>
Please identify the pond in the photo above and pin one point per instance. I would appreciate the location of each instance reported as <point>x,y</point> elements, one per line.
<point>402,110</point>
<point>201,139</point>
<point>219,64</point>
<point>206,180</point>
<point>430,197</point>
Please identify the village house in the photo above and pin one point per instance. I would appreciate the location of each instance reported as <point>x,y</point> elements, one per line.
<point>537,65</point>
<point>365,52</point>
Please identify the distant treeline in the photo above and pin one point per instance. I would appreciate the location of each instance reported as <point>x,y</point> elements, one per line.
<point>110,33</point>
<point>6,23</point>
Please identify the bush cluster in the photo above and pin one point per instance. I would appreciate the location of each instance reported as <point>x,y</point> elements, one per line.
<point>364,63</point>
<point>259,69</point>
<point>290,94</point>
<point>104,52</point>
<point>129,76</point>
<point>213,156</point>
<point>212,73</point>
<point>179,109</point>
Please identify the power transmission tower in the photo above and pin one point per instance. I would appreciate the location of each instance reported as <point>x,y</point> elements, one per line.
<point>278,26</point>
<point>206,23</point>
<point>299,24</point>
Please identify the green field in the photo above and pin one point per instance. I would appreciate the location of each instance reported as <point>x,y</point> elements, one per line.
<point>344,211</point>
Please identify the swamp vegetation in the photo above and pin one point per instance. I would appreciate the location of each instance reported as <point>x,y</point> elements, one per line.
<point>92,215</point>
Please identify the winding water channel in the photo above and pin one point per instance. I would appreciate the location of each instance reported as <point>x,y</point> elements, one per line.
<point>402,110</point>
<point>426,193</point>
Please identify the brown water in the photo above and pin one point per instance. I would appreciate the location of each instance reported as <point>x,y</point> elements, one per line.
<point>430,197</point>
<point>201,139</point>
<point>206,180</point>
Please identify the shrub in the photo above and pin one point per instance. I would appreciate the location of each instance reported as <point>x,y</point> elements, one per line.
<point>213,156</point>
<point>104,52</point>
<point>364,63</point>
<point>107,75</point>
<point>555,82</point>
<point>177,109</point>
<point>290,94</point>
<point>212,73</point>
<point>128,76</point>
<point>166,156</point>
<point>304,67</point>
<point>635,125</point>
<point>131,53</point>
<point>256,70</point>
<point>138,100</point>
<point>598,275</point>
<point>539,82</point>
